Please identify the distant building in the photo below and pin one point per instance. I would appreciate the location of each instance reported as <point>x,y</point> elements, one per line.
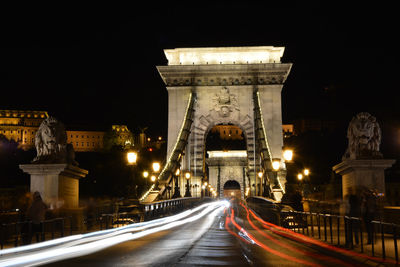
<point>313,125</point>
<point>124,136</point>
<point>21,125</point>
<point>287,130</point>
<point>232,132</point>
<point>86,141</point>
<point>228,132</point>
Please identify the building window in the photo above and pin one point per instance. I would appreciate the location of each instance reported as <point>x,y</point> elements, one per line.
<point>77,144</point>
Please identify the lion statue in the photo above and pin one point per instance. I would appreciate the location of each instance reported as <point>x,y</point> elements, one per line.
<point>51,143</point>
<point>364,136</point>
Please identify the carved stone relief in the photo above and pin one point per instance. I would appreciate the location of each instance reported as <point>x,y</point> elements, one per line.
<point>225,106</point>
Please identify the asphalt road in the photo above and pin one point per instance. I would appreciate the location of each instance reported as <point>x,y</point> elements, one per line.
<point>204,242</point>
<point>219,236</point>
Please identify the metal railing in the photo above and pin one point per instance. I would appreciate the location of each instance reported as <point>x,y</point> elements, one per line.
<point>350,232</point>
<point>22,233</point>
<point>168,207</point>
<point>148,211</point>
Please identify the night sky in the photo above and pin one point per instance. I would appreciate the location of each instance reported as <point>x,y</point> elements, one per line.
<point>96,65</point>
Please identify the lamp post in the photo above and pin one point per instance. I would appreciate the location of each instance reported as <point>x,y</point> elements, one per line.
<point>306,173</point>
<point>156,168</point>
<point>187,193</point>
<point>131,157</point>
<point>145,176</point>
<point>276,165</point>
<point>262,188</point>
<point>177,193</point>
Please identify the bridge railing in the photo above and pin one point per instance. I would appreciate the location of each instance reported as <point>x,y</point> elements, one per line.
<point>376,238</point>
<point>23,233</point>
<point>168,207</point>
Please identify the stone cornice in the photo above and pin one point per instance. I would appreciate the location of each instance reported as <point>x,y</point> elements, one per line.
<point>54,169</point>
<point>224,74</point>
<point>350,165</point>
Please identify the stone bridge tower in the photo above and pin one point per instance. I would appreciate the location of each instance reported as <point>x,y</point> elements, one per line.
<point>233,85</point>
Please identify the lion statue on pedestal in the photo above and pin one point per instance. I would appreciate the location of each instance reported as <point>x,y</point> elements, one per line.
<point>51,143</point>
<point>364,136</point>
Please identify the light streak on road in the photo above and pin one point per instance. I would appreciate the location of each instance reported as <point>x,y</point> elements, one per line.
<point>290,247</point>
<point>93,242</point>
<point>310,241</point>
<point>267,248</point>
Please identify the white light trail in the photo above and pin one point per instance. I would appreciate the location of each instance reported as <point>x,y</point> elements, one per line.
<point>86,244</point>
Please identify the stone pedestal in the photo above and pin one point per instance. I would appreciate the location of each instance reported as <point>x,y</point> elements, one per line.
<point>358,174</point>
<point>58,184</point>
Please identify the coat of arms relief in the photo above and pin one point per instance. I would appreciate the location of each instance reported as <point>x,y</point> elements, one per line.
<point>225,105</point>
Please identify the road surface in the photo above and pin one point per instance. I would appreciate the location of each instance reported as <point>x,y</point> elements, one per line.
<point>214,234</point>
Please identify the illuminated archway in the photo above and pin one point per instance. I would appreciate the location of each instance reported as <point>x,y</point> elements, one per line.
<point>231,189</point>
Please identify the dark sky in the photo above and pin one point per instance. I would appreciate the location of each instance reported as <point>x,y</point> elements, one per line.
<point>97,64</point>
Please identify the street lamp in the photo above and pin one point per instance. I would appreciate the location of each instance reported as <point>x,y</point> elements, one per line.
<point>300,176</point>
<point>306,172</point>
<point>131,157</point>
<point>288,154</point>
<point>156,168</point>
<point>145,175</point>
<point>261,188</point>
<point>276,165</point>
<point>187,176</point>
<point>177,193</point>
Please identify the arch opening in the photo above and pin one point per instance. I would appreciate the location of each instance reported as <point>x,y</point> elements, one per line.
<point>232,189</point>
<point>225,152</point>
<point>225,137</point>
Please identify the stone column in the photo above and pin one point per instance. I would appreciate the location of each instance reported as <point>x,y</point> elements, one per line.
<point>363,173</point>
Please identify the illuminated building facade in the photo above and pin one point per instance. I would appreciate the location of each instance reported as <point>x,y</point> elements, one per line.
<point>85,141</point>
<point>287,130</point>
<point>228,132</point>
<point>21,126</point>
<point>232,132</point>
<point>124,136</point>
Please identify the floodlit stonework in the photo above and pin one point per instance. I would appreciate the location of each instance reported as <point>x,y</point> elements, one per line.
<point>224,80</point>
<point>227,166</point>
<point>224,55</point>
